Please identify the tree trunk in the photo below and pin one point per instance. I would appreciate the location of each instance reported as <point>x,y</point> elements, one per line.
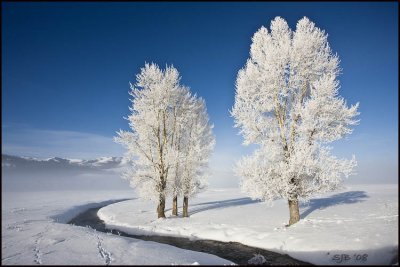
<point>161,207</point>
<point>294,211</point>
<point>185,206</point>
<point>175,206</point>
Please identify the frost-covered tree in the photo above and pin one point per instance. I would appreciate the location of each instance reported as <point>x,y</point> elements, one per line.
<point>171,139</point>
<point>182,117</point>
<point>149,143</point>
<point>287,102</point>
<point>193,143</point>
<point>198,143</point>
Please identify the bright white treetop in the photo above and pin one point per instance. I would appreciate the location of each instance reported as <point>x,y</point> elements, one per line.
<point>148,143</point>
<point>287,102</point>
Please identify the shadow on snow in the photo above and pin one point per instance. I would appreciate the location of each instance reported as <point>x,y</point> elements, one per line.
<point>350,197</point>
<point>221,204</point>
<point>314,204</point>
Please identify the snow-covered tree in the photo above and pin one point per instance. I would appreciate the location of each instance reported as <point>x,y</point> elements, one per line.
<point>287,102</point>
<point>182,117</point>
<point>152,122</point>
<point>193,143</point>
<point>171,139</point>
<point>198,143</point>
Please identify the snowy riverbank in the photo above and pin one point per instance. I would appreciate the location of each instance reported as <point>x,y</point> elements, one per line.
<point>232,251</point>
<point>357,225</point>
<point>34,232</point>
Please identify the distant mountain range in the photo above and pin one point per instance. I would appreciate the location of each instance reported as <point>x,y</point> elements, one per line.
<point>60,174</point>
<point>17,163</point>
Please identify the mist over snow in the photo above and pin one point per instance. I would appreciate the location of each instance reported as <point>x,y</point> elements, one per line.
<point>27,141</point>
<point>58,174</point>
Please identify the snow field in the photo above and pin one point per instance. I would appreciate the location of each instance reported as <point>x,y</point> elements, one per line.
<point>34,232</point>
<point>357,225</point>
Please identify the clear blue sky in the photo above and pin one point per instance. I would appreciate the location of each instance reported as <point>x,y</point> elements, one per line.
<point>66,69</point>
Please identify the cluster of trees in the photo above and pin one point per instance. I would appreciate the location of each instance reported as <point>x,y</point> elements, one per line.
<point>171,138</point>
<point>287,102</point>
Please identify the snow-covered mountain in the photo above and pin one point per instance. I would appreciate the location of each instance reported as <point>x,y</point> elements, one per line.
<point>32,174</point>
<point>16,163</point>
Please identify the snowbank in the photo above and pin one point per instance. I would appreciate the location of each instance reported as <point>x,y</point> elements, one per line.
<point>358,225</point>
<point>34,232</point>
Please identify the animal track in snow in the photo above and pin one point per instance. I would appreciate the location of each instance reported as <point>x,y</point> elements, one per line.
<point>17,227</point>
<point>104,254</point>
<point>38,254</point>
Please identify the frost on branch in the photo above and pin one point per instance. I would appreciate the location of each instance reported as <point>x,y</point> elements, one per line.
<point>197,148</point>
<point>287,101</point>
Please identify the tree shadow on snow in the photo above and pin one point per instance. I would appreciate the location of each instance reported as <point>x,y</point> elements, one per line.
<point>337,199</point>
<point>220,204</point>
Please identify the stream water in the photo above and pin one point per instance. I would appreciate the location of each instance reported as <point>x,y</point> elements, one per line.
<point>233,251</point>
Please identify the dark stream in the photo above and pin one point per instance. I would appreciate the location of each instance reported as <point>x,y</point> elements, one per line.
<point>233,251</point>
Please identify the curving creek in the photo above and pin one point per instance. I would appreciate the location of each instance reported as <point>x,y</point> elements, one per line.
<point>233,251</point>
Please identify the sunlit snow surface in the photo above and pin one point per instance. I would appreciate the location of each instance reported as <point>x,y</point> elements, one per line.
<point>34,232</point>
<point>357,225</point>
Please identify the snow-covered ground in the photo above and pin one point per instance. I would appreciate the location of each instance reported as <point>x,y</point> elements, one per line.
<point>34,232</point>
<point>357,225</point>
